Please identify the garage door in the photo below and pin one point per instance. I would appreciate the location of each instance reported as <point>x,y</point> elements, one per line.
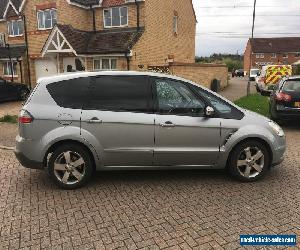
<point>45,67</point>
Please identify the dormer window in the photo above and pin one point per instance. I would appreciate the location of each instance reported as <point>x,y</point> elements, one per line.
<point>15,28</point>
<point>46,19</point>
<point>115,17</point>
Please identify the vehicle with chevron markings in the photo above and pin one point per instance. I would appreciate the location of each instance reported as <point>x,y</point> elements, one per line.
<point>270,76</point>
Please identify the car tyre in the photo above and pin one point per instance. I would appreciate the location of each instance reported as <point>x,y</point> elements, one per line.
<point>249,161</point>
<point>70,166</point>
<point>24,94</point>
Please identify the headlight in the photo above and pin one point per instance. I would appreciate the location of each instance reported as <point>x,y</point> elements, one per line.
<point>277,129</point>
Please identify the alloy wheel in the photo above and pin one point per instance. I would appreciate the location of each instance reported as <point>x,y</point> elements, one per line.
<point>251,162</point>
<point>69,167</point>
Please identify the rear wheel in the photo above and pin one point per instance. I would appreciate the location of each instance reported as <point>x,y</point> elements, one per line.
<point>249,161</point>
<point>23,94</point>
<point>70,166</point>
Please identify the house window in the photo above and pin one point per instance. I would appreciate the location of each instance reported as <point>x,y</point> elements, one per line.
<point>175,24</point>
<point>273,55</point>
<point>285,55</point>
<point>115,17</point>
<point>7,68</point>
<point>260,55</point>
<point>297,55</point>
<point>105,64</point>
<point>15,28</point>
<point>46,19</point>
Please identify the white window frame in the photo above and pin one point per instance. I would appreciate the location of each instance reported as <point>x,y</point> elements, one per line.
<point>9,26</point>
<point>297,54</point>
<point>285,55</point>
<point>38,21</point>
<point>110,9</point>
<point>175,24</point>
<point>103,58</point>
<point>6,65</point>
<point>274,55</point>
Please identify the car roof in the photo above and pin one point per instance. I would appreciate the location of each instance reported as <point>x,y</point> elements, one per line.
<point>70,76</point>
<point>293,77</point>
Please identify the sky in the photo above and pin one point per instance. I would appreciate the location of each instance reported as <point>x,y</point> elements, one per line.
<point>224,26</point>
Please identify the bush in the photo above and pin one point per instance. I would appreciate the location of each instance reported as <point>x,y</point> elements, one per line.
<point>233,64</point>
<point>9,119</point>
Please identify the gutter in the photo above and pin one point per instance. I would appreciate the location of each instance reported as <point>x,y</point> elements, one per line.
<point>137,15</point>
<point>128,60</point>
<point>94,18</point>
<point>27,51</point>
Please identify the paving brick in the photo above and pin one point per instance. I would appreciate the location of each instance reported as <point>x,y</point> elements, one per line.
<point>142,210</point>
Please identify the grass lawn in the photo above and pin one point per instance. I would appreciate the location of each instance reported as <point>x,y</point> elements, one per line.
<point>9,119</point>
<point>256,103</point>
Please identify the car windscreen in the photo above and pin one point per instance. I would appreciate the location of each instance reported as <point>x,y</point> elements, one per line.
<point>292,86</point>
<point>254,72</point>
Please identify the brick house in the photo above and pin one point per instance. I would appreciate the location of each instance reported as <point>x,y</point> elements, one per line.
<point>266,51</point>
<point>65,35</point>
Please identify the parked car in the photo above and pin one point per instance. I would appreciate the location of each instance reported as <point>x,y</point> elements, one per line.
<point>140,120</point>
<point>253,74</point>
<point>11,91</point>
<point>285,99</point>
<point>239,73</point>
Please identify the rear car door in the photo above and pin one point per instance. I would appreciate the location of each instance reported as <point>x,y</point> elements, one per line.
<point>120,115</point>
<point>183,135</point>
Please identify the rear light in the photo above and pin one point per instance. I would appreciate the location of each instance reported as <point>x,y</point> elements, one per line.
<point>283,97</point>
<point>25,117</point>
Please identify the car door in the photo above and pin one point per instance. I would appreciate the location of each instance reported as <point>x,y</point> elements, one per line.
<point>120,116</point>
<point>183,135</point>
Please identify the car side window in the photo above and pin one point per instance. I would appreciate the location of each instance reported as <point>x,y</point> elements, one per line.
<point>176,98</point>
<point>224,109</point>
<point>120,94</point>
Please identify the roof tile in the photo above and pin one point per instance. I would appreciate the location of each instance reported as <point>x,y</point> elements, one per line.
<point>275,45</point>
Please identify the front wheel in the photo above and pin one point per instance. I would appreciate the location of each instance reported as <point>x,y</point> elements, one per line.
<point>249,161</point>
<point>70,166</point>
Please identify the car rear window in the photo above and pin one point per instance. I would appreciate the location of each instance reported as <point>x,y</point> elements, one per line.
<point>70,93</point>
<point>292,86</point>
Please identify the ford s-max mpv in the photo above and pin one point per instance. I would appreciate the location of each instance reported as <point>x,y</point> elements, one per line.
<point>77,123</point>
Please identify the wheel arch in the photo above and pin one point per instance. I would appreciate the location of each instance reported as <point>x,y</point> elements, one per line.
<point>68,141</point>
<point>258,139</point>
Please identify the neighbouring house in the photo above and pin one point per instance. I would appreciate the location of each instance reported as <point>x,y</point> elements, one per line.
<point>48,37</point>
<point>266,51</point>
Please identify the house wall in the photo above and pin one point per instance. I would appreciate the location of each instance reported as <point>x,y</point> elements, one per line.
<point>203,74</point>
<point>159,41</point>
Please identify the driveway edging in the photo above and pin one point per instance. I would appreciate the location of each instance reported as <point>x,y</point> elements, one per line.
<point>6,148</point>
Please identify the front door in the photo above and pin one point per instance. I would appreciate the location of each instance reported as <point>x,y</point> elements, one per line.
<point>119,114</point>
<point>183,135</point>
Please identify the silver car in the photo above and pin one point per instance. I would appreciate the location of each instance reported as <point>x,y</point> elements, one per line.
<point>77,123</point>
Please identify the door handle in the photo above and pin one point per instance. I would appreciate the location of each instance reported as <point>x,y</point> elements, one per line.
<point>94,120</point>
<point>167,124</point>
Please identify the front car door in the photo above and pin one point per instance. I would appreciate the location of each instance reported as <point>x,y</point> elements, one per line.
<point>183,135</point>
<point>120,116</point>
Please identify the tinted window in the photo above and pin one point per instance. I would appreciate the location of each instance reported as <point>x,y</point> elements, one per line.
<point>224,109</point>
<point>176,98</point>
<point>70,93</point>
<point>120,93</point>
<point>292,86</point>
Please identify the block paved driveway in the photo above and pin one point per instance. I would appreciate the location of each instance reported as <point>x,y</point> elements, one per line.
<point>147,210</point>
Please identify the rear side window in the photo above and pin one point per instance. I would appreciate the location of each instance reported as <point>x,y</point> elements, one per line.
<point>292,86</point>
<point>120,93</point>
<point>71,93</point>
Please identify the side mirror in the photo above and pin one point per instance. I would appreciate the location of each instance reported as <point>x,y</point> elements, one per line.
<point>209,111</point>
